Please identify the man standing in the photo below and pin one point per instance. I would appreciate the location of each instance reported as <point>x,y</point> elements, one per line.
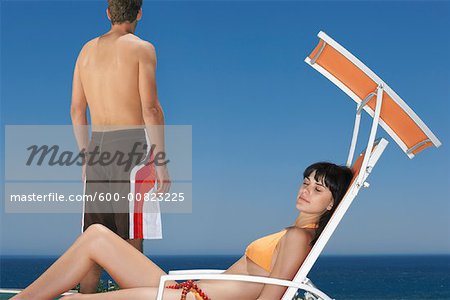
<point>114,76</point>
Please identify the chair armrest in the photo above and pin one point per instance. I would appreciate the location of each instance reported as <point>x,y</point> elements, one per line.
<point>196,271</point>
<point>245,278</point>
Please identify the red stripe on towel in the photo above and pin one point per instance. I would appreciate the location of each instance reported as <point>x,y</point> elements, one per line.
<point>145,181</point>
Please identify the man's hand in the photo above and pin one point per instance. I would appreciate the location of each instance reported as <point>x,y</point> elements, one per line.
<point>163,179</point>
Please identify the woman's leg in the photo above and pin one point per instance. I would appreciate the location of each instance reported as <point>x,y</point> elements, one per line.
<point>129,267</point>
<point>142,293</point>
<point>89,283</point>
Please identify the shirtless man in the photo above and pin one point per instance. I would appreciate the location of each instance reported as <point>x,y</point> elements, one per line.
<point>115,76</point>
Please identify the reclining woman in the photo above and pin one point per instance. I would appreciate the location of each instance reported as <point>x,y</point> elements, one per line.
<point>278,255</point>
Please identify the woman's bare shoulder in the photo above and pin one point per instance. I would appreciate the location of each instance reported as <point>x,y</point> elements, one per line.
<point>298,236</point>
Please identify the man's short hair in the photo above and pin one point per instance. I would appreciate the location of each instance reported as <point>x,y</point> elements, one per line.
<point>123,10</point>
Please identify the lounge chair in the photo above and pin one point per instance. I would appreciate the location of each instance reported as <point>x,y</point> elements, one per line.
<point>387,109</point>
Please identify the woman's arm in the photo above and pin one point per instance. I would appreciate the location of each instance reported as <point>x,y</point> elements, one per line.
<point>294,247</point>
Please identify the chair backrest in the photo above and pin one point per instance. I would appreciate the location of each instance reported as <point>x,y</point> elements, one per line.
<point>352,191</point>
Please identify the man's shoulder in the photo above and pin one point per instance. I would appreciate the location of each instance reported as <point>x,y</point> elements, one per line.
<point>141,46</point>
<point>137,42</point>
<point>131,44</point>
<point>129,39</point>
<point>87,46</point>
<point>146,51</point>
<point>146,46</point>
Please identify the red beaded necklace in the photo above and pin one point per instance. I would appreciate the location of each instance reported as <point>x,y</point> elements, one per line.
<point>189,286</point>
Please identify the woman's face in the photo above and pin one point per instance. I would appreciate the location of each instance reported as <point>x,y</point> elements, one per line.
<point>314,197</point>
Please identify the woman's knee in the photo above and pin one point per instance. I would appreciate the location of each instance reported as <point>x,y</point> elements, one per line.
<point>96,229</point>
<point>94,239</point>
<point>96,232</point>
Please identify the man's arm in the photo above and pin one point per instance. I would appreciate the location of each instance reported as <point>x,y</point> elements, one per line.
<point>78,113</point>
<point>152,112</point>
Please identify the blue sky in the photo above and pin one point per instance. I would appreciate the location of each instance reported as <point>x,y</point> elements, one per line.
<point>259,114</point>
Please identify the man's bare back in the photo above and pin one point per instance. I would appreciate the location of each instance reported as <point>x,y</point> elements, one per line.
<point>115,76</point>
<point>109,73</point>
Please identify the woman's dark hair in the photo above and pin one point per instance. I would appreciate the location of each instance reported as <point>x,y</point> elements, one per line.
<point>123,10</point>
<point>337,179</point>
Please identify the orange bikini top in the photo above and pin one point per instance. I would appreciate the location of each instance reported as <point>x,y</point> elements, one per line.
<point>261,250</point>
